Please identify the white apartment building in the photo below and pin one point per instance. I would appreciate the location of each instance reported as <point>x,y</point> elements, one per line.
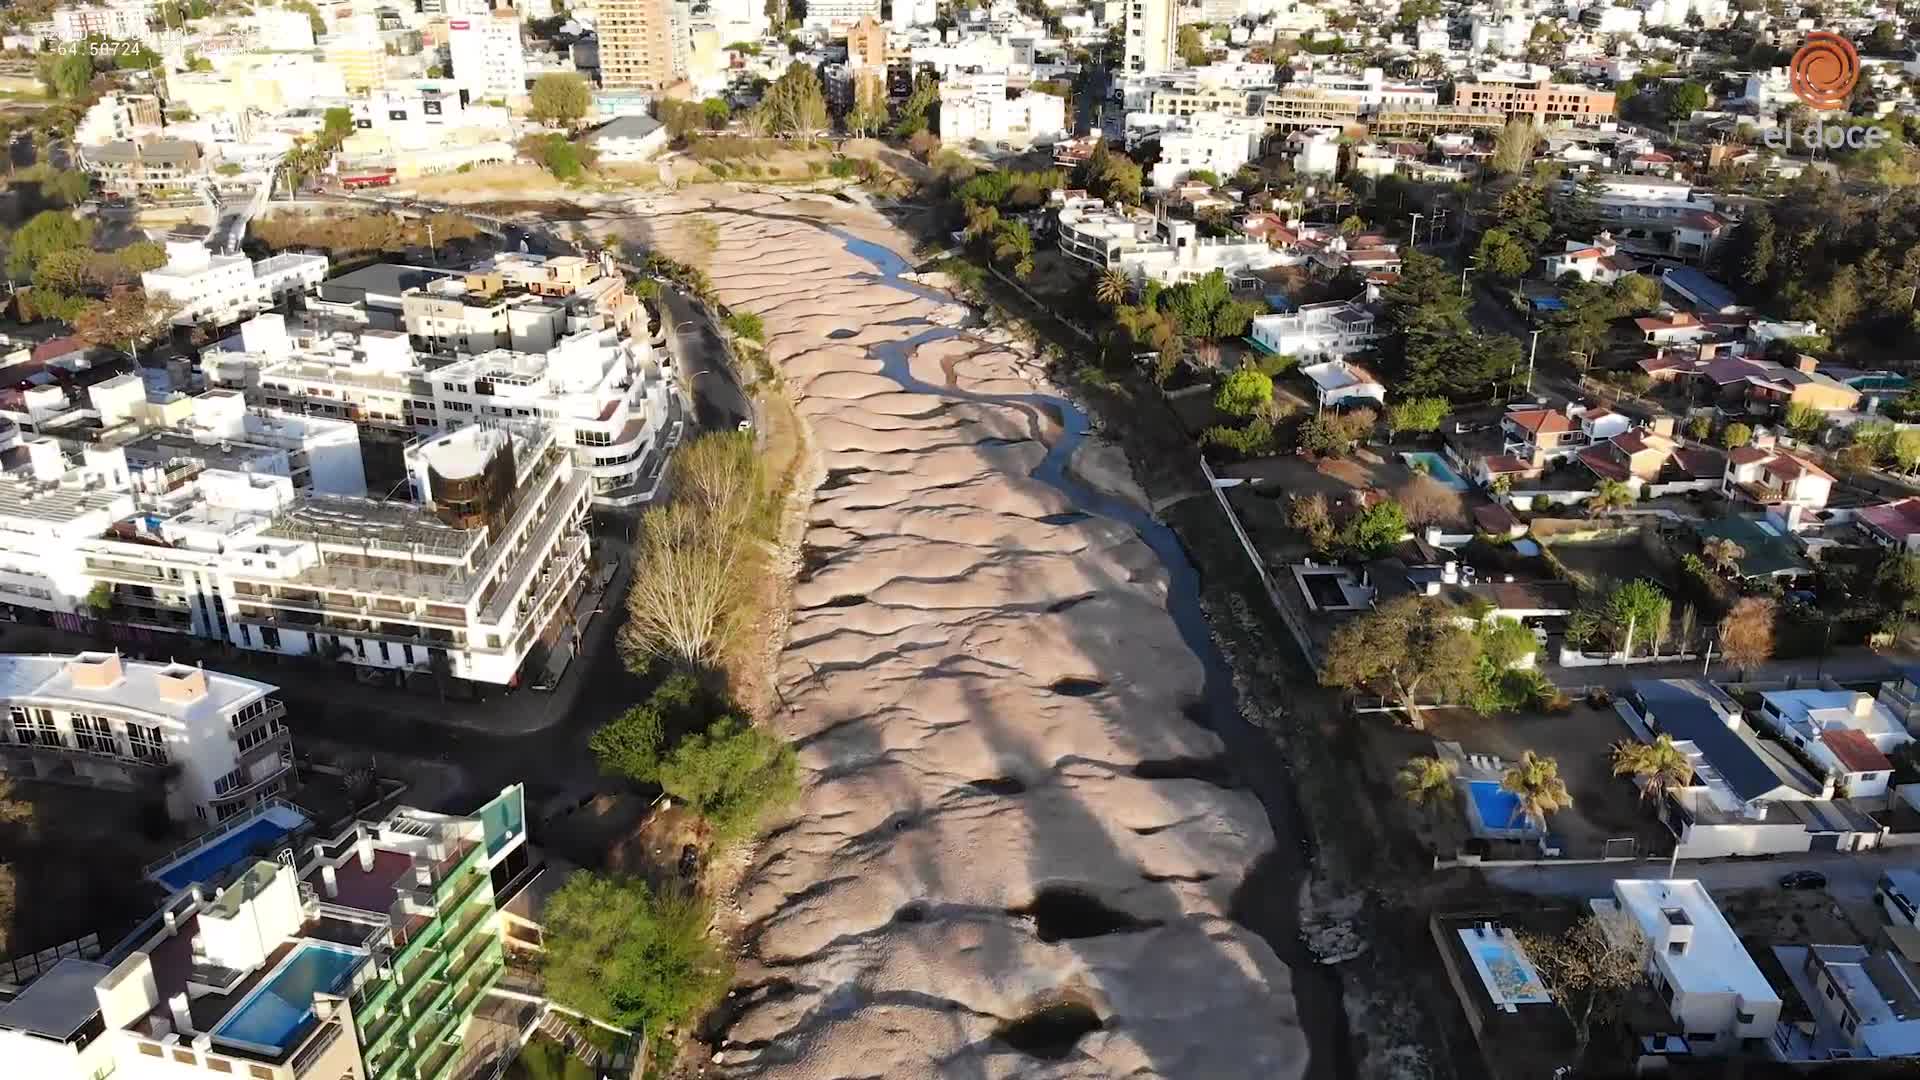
<point>1150,36</point>
<point>223,289</point>
<point>1144,248</point>
<point>122,20</point>
<point>216,743</point>
<point>977,107</point>
<point>1333,329</point>
<point>1718,999</point>
<point>1210,141</point>
<point>488,55</point>
<point>831,15</point>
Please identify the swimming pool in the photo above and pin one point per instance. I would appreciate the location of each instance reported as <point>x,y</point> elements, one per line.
<point>1504,968</point>
<point>276,1009</point>
<point>207,862</point>
<point>1436,467</point>
<point>1497,808</point>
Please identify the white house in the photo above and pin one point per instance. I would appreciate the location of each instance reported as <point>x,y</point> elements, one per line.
<point>217,743</point>
<point>1776,478</point>
<point>1336,381</point>
<point>1716,995</point>
<point>1865,1001</point>
<point>1315,153</point>
<point>1215,142</point>
<point>1600,262</point>
<point>1846,732</point>
<point>629,138</point>
<point>978,106</point>
<point>1333,329</point>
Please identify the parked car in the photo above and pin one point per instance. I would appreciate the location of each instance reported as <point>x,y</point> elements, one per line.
<point>1803,879</point>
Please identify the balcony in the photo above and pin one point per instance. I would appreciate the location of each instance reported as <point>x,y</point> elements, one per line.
<point>426,1019</point>
<point>467,961</point>
<point>462,890</point>
<point>425,973</point>
<point>325,1037</point>
<point>439,1063</point>
<point>368,1006</point>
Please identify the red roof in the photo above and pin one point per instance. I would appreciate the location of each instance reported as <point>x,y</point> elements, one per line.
<point>1540,421</point>
<point>1897,519</point>
<point>1855,751</point>
<point>1495,464</point>
<point>1746,455</point>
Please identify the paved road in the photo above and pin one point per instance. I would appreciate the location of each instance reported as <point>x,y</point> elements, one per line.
<point>1854,664</point>
<point>1850,877</point>
<point>718,402</point>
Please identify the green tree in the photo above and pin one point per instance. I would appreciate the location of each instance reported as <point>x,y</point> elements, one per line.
<point>1684,99</point>
<point>1513,149</point>
<point>1660,766</point>
<point>1735,435</point>
<point>717,112</point>
<point>67,187</point>
<point>1244,392</point>
<point>1534,782</point>
<point>43,234</point>
<point>1417,415</point>
<point>1191,47</point>
<point>1205,308</point>
<point>1308,513</point>
<point>1427,783</point>
<point>1374,530</point>
<point>1013,247</point>
<point>1905,450</point>
<point>560,97</point>
<point>1622,615</point>
<point>67,74</point>
<point>1500,254</point>
<point>747,324</point>
<point>1111,175</point>
<point>869,112</point>
<point>1610,495</point>
<point>1112,287</point>
<point>126,317</point>
<point>617,951</point>
<point>794,104</point>
<point>732,774</point>
<point>1407,647</point>
<point>634,743</point>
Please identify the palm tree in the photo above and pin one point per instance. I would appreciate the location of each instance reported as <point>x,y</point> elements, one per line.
<point>981,221</point>
<point>1660,765</point>
<point>1426,782</point>
<point>1013,244</point>
<point>1535,782</point>
<point>1723,553</point>
<point>1112,287</point>
<point>1341,195</point>
<point>1611,495</point>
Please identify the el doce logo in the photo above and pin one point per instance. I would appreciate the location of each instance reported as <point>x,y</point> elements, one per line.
<point>1823,74</point>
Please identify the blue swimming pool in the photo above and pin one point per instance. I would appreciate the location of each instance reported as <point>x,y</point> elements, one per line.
<point>1498,808</point>
<point>276,1010</point>
<point>1436,467</point>
<point>208,862</point>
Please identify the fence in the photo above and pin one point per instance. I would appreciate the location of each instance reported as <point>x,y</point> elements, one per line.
<point>1287,615</point>
<point>21,970</point>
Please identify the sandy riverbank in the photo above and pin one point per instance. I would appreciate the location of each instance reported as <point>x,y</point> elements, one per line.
<point>1010,857</point>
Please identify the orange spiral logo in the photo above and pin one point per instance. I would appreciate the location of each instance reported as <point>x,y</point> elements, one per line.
<point>1824,71</point>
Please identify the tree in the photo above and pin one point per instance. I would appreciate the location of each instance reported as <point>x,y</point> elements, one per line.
<point>1308,513</point>
<point>1013,247</point>
<point>717,112</point>
<point>1426,501</point>
<point>1590,969</point>
<point>732,774</point>
<point>1501,254</point>
<point>1724,553</point>
<point>1205,308</point>
<point>1417,415</point>
<point>1111,175</point>
<point>633,743</point>
<point>686,590</point>
<point>1660,766</point>
<point>560,97</point>
<point>1905,450</point>
<point>44,233</point>
<point>1610,495</point>
<point>1684,99</point>
<point>1803,420</point>
<point>1332,434</point>
<point>1426,782</point>
<point>139,257</point>
<point>1735,435</point>
<point>1746,633</point>
<point>1112,287</point>
<point>869,112</point>
<point>794,104</point>
<point>68,74</point>
<point>1243,393</point>
<point>617,951</point>
<point>1534,782</point>
<point>922,144</point>
<point>1699,427</point>
<point>1407,646</point>
<point>1190,46</point>
<point>1621,615</point>
<point>126,317</point>
<point>1514,147</point>
<point>68,187</point>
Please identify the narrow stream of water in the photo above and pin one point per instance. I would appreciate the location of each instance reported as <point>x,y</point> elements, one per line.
<point>1257,762</point>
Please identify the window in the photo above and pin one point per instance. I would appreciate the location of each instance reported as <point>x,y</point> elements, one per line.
<point>235,779</point>
<point>94,734</point>
<point>146,743</point>
<point>1829,991</point>
<point>270,636</point>
<point>1852,1024</point>
<point>257,736</point>
<point>1743,1017</point>
<point>39,730</point>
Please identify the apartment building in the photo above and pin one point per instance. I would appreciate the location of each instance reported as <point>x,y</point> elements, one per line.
<point>636,50</point>
<point>215,744</point>
<point>1541,100</point>
<point>1215,143</point>
<point>121,20</point>
<point>145,167</point>
<point>118,117</point>
<point>978,106</point>
<point>223,289</point>
<point>360,956</point>
<point>836,16</point>
<point>355,48</point>
<point>1150,36</point>
<point>488,55</point>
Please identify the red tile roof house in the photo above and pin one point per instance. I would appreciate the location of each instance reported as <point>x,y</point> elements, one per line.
<point>1653,457</point>
<point>1671,329</point>
<point>1776,479</point>
<point>1894,525</point>
<point>1600,261</point>
<point>1539,435</point>
<point>1859,766</point>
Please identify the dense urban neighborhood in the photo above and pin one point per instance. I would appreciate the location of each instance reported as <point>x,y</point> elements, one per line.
<point>1298,539</point>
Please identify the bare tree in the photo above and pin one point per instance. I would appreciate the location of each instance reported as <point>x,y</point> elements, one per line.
<point>1427,501</point>
<point>1746,634</point>
<point>688,580</point>
<point>1589,969</point>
